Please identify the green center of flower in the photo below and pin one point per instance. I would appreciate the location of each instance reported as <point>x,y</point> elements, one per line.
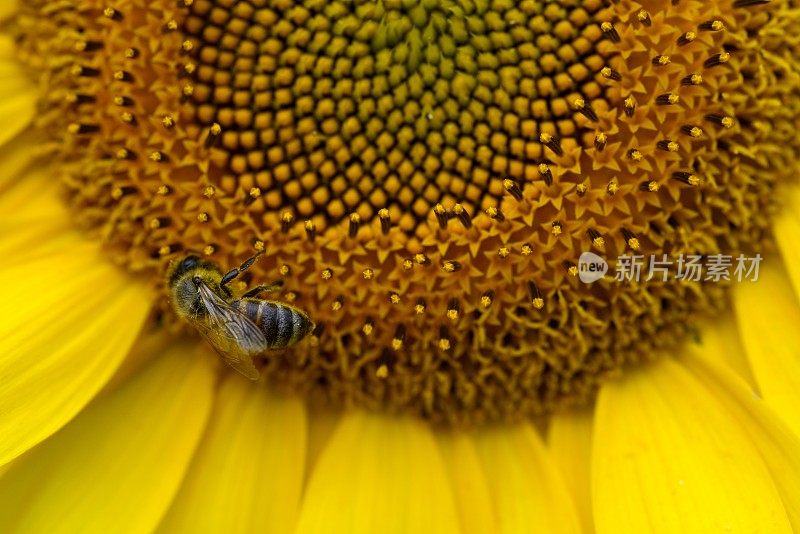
<point>425,175</point>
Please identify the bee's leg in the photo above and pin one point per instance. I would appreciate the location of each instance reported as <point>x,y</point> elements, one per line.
<point>233,273</point>
<point>274,286</point>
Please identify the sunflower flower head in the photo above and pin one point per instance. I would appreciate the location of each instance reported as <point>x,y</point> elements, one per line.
<point>424,175</point>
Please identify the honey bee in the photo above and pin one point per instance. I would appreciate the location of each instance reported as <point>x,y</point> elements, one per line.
<point>239,328</point>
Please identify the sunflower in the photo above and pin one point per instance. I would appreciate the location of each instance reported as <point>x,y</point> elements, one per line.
<point>425,177</point>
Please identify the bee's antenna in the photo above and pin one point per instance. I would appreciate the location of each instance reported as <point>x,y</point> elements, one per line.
<point>233,273</point>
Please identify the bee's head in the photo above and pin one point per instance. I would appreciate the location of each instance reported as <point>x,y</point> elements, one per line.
<point>184,279</point>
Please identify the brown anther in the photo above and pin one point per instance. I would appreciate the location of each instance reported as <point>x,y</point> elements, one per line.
<point>123,101</point>
<point>686,38</point>
<point>259,246</point>
<point>337,303</point>
<point>187,91</point>
<point>597,239</point>
<point>692,79</point>
<point>254,192</point>
<point>421,259</point>
<point>407,264</point>
<point>613,187</point>
<point>667,145</point>
<point>570,267</point>
<point>165,250</point>
<point>723,120</point>
<point>213,134</point>
<point>386,222</point>
<point>394,297</point>
<point>399,336</point>
<point>128,117</point>
<point>631,239</point>
<point>327,273</point>
<point>650,186</point>
<point>311,230</point>
<point>209,191</point>
<point>513,188</point>
<point>291,296</point>
<point>202,217</point>
<point>119,192</point>
<point>382,371</point>
<point>503,252</point>
<point>111,13</point>
<point>158,222</point>
<point>168,122</point>
<point>687,178</point>
<point>462,215</point>
<point>189,68</point>
<point>85,72</point>
<point>600,141</point>
<point>691,130</point>
<point>286,221</point>
<point>660,61</point>
<point>667,99</point>
<point>131,53</point>
<point>629,105</point>
<point>187,45</point>
<point>208,250</point>
<point>368,274</point>
<point>556,228</point>
<point>123,76</point>
<point>536,296</point>
<point>750,3</point>
<point>644,17</point>
<point>157,156</point>
<point>368,326</point>
<point>163,190</point>
<point>552,142</point>
<point>441,216</point>
<point>635,154</point>
<point>451,266</point>
<point>444,338</point>
<point>355,222</point>
<point>487,298</point>
<point>124,154</point>
<point>546,173</point>
<point>170,26</point>
<point>420,306</point>
<point>581,189</point>
<point>80,98</point>
<point>610,74</point>
<point>580,105</point>
<point>711,26</point>
<point>526,249</point>
<point>495,214</point>
<point>610,32</point>
<point>82,128</point>
<point>87,46</point>
<point>284,270</point>
<point>453,309</point>
<point>717,59</point>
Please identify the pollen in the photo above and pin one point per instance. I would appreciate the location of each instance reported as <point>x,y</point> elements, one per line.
<point>424,176</point>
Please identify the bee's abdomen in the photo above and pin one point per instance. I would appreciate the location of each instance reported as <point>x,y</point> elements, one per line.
<point>283,325</point>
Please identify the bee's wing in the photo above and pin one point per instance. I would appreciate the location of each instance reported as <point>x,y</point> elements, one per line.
<point>233,335</point>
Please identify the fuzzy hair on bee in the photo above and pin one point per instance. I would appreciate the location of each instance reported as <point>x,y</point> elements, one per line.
<point>241,327</point>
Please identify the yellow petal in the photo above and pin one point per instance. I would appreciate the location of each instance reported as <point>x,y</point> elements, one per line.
<point>247,475</point>
<point>67,321</point>
<point>17,109</point>
<point>117,466</point>
<point>778,445</point>
<point>668,457</point>
<point>322,422</point>
<point>768,313</point>
<point>8,8</point>
<point>787,234</point>
<point>720,341</point>
<point>570,443</point>
<point>527,490</point>
<point>379,473</point>
<point>473,500</point>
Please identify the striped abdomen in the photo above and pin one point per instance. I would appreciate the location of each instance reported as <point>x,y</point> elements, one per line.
<point>283,325</point>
